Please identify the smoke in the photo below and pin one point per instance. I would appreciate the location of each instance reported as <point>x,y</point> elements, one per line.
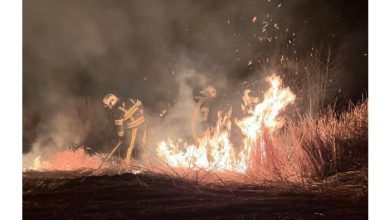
<point>74,52</point>
<point>173,121</point>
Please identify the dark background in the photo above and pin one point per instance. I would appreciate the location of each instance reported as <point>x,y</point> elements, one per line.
<point>77,51</point>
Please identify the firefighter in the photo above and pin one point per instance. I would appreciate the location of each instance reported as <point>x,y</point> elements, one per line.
<point>200,116</point>
<point>129,122</point>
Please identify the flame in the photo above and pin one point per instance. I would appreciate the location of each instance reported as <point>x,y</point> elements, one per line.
<point>68,160</point>
<point>216,152</point>
<point>37,163</point>
<point>266,113</point>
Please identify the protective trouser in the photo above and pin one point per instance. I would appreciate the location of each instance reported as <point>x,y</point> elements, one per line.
<point>134,141</point>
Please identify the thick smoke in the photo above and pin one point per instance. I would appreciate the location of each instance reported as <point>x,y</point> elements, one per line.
<point>74,52</point>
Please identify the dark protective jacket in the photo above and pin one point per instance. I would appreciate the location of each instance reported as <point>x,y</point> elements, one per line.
<point>130,124</point>
<point>128,114</point>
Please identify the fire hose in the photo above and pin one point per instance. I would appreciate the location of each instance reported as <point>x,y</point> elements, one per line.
<point>112,152</point>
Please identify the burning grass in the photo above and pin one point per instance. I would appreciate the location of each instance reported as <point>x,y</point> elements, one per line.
<point>274,148</point>
<point>304,151</point>
<point>316,148</point>
<point>215,150</point>
<point>71,159</point>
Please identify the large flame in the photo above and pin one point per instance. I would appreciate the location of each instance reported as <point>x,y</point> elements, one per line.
<point>216,152</point>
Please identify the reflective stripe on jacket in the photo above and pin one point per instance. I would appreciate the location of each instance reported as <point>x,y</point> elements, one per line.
<point>128,114</point>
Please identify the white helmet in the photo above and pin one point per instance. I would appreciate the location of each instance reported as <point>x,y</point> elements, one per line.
<point>109,98</point>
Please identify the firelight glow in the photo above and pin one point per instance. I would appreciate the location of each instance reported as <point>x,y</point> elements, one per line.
<point>216,152</point>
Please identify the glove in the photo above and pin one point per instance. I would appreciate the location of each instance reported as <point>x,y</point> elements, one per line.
<point>120,139</point>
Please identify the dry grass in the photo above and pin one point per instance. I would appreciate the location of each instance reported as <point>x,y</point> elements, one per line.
<point>307,151</point>
<point>317,148</point>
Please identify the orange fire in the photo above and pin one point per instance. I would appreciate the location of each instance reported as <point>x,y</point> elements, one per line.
<point>216,152</point>
<point>37,163</point>
<point>68,160</point>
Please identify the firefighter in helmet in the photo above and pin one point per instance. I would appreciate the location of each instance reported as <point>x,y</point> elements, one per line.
<point>129,122</point>
<point>200,116</point>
